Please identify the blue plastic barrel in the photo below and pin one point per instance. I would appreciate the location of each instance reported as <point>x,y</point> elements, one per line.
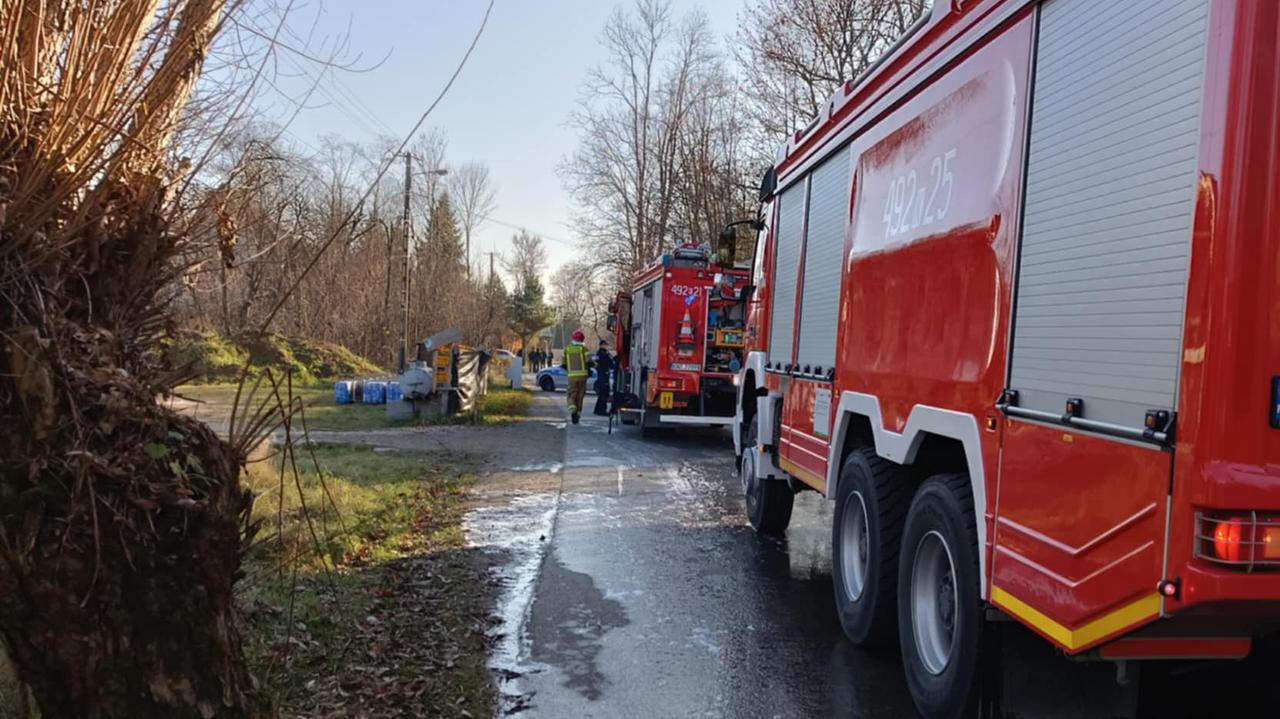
<point>393,391</point>
<point>375,392</point>
<point>342,391</point>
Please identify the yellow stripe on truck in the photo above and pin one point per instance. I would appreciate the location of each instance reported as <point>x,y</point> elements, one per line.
<point>804,475</point>
<point>1135,612</point>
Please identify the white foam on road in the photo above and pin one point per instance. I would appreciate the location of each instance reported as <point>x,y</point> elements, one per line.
<point>552,467</point>
<point>521,531</point>
<point>677,482</point>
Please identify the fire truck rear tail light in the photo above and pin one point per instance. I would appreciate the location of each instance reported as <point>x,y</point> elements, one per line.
<point>1246,541</point>
<point>669,384</point>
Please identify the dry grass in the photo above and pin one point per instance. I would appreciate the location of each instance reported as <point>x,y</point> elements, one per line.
<point>361,594</point>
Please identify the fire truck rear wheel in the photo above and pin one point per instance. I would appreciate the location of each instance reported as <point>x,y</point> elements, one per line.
<point>871,507</point>
<point>939,607</point>
<point>769,501</point>
<point>648,423</point>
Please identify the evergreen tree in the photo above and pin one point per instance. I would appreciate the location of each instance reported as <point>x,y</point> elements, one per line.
<point>529,312</point>
<point>439,284</point>
<point>443,241</point>
<point>495,312</point>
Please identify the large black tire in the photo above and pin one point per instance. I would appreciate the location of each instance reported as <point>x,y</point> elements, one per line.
<point>769,501</point>
<point>648,419</point>
<point>629,401</point>
<point>547,384</point>
<point>866,533</point>
<point>939,604</point>
<point>648,426</point>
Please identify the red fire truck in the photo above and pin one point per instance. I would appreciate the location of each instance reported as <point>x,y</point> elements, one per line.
<point>679,334</point>
<point>1016,312</point>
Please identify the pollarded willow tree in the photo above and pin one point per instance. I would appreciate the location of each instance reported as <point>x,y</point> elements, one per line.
<point>121,524</point>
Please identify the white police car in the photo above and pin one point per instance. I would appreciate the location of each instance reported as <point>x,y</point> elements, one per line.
<point>556,378</point>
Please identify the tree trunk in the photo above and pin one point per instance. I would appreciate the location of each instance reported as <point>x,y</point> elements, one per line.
<point>117,562</point>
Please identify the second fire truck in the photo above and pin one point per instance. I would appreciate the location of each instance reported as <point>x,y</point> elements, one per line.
<point>1016,313</point>
<point>679,334</point>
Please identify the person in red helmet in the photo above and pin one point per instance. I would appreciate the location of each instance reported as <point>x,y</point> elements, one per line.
<point>578,363</point>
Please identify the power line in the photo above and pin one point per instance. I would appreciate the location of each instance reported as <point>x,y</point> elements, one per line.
<point>345,90</point>
<point>525,228</point>
<point>386,165</point>
<point>352,111</point>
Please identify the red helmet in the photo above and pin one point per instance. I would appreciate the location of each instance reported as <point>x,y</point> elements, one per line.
<point>579,336</point>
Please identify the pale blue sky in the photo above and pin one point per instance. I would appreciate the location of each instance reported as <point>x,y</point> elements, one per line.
<point>509,106</point>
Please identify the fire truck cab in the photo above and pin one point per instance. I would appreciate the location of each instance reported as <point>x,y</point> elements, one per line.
<point>1016,313</point>
<point>680,340</point>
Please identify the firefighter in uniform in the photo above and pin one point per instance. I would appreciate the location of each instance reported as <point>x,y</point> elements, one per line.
<point>578,363</point>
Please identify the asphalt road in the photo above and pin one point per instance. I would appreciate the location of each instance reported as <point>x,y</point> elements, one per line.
<point>650,596</point>
<point>635,588</point>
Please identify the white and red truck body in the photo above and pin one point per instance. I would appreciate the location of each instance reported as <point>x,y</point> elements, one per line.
<point>682,340</point>
<point>1038,245</point>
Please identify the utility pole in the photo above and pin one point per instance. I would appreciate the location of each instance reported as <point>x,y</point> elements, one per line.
<point>404,287</point>
<point>488,323</point>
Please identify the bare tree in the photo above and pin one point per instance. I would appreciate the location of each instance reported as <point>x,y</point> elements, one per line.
<point>474,197</point>
<point>429,152</point>
<point>657,131</point>
<point>285,205</point>
<point>794,53</point>
<point>715,174</point>
<point>527,260</point>
<point>615,172</point>
<point>581,292</point>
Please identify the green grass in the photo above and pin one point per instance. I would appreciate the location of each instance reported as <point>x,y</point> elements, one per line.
<point>368,502</point>
<point>218,359</point>
<point>369,511</point>
<point>502,405</point>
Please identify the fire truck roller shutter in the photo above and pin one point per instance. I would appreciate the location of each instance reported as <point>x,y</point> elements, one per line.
<point>787,265</point>
<point>823,265</point>
<point>653,333</point>
<point>1111,181</point>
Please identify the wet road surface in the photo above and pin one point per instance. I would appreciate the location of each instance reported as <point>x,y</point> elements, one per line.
<point>634,588</point>
<point>653,597</point>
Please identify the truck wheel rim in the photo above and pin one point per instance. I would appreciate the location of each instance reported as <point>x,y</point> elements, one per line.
<point>854,545</point>
<point>934,605</point>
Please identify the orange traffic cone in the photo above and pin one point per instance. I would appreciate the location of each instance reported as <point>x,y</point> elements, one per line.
<point>686,328</point>
<point>684,340</point>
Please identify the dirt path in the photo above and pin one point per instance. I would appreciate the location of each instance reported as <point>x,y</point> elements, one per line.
<point>527,445</point>
<point>530,444</point>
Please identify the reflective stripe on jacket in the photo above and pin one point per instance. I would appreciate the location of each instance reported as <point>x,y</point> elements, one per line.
<point>575,360</point>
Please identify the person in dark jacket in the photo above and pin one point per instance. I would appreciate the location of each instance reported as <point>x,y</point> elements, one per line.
<point>604,365</point>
